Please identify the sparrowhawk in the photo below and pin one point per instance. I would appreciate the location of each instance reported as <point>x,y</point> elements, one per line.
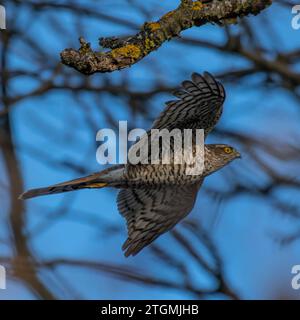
<point>155,197</point>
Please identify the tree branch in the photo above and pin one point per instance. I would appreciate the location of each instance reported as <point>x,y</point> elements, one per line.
<point>128,51</point>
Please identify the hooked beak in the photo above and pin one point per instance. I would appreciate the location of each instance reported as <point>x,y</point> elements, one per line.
<point>239,156</point>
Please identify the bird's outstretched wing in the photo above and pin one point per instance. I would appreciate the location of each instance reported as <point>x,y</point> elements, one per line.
<point>151,211</point>
<point>199,105</point>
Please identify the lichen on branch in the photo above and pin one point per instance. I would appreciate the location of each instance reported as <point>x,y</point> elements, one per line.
<point>126,52</point>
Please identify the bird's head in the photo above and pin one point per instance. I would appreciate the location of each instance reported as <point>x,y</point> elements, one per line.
<point>219,155</point>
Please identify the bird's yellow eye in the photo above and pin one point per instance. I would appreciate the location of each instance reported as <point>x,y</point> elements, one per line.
<point>227,150</point>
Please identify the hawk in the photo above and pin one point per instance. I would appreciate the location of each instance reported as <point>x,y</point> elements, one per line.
<point>153,198</point>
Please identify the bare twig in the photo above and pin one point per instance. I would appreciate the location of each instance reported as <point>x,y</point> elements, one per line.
<point>126,52</point>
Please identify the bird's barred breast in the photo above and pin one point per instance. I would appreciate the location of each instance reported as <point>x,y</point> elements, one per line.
<point>178,174</point>
<point>160,174</point>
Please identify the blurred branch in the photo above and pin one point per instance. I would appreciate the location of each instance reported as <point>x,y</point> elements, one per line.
<point>75,8</point>
<point>16,216</point>
<point>128,51</point>
<point>280,64</point>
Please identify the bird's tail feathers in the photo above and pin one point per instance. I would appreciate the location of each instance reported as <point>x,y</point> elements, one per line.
<point>91,181</point>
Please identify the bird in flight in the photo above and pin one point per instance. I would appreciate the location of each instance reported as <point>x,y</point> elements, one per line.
<point>153,198</point>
